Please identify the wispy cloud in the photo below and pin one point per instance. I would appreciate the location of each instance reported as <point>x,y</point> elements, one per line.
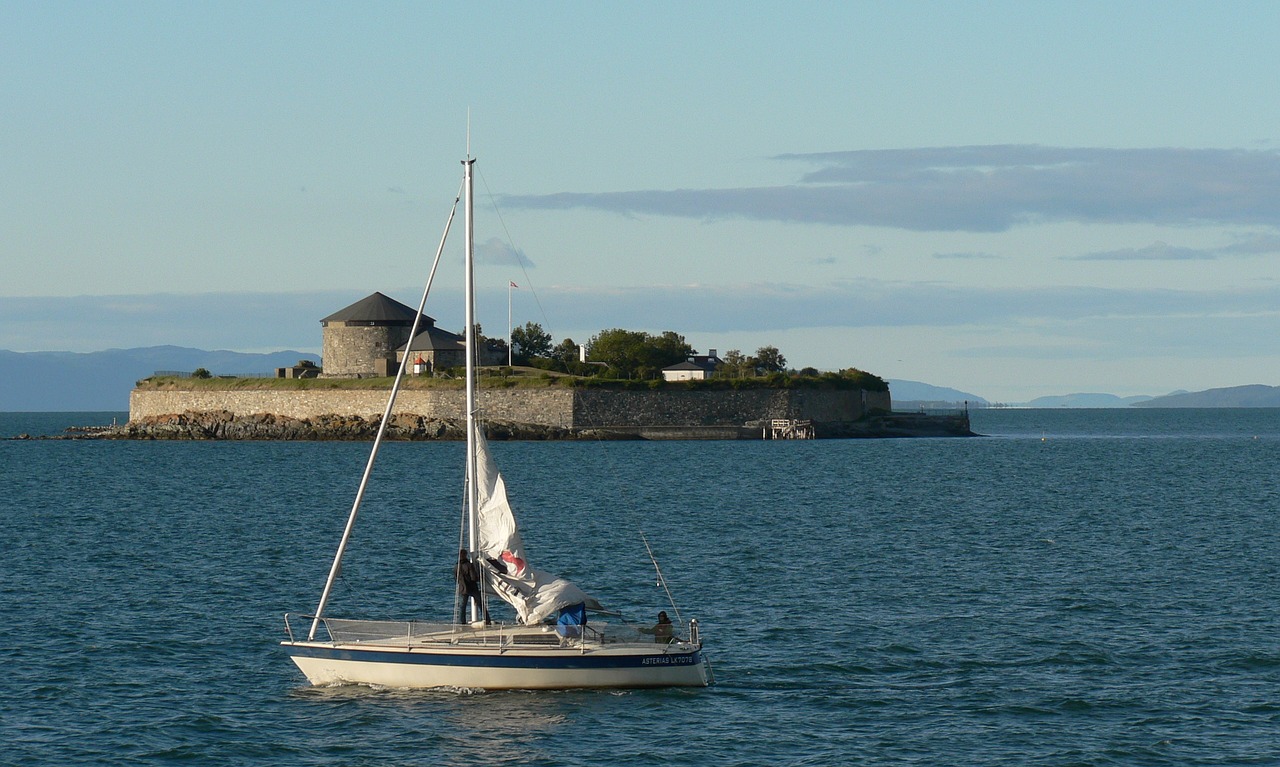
<point>980,189</point>
<point>966,256</point>
<point>1157,251</point>
<point>871,303</point>
<point>495,252</point>
<point>1254,244</point>
<point>1251,245</point>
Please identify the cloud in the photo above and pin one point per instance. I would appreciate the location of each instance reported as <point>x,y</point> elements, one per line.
<point>495,252</point>
<point>966,256</point>
<point>1250,245</point>
<point>980,189</point>
<point>1135,319</point>
<point>1254,244</point>
<point>878,304</point>
<point>1157,251</point>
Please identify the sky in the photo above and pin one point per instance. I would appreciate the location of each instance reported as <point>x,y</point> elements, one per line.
<point>1012,199</point>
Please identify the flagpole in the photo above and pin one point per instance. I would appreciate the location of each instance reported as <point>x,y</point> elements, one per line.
<point>510,285</point>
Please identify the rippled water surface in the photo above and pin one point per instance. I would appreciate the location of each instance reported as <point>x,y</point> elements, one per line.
<point>1075,588</point>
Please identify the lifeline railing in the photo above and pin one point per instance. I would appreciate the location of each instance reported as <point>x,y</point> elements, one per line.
<point>354,631</point>
<point>408,633</point>
<point>411,633</point>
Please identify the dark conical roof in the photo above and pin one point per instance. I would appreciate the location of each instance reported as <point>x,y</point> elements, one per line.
<point>433,338</point>
<point>376,308</point>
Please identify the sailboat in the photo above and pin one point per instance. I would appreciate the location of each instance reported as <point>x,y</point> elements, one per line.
<point>551,644</point>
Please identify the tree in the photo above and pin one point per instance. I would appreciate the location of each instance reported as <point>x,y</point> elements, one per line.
<point>636,354</point>
<point>734,362</point>
<point>622,350</point>
<point>566,357</point>
<point>565,352</point>
<point>864,380</point>
<point>669,349</point>
<point>769,360</point>
<point>530,341</point>
<point>493,351</point>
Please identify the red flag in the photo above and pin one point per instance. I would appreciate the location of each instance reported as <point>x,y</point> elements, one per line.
<point>514,285</point>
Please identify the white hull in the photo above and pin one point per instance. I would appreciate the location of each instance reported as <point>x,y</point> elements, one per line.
<point>630,665</point>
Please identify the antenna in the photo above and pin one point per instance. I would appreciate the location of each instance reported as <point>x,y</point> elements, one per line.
<point>468,133</point>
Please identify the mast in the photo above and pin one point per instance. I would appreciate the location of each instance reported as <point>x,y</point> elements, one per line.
<point>473,492</point>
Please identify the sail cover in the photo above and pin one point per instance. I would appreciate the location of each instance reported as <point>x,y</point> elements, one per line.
<point>533,593</point>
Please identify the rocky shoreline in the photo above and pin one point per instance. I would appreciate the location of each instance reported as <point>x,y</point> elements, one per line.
<point>267,426</point>
<point>224,425</point>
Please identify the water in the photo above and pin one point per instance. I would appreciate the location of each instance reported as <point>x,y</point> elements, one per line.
<point>55,424</point>
<point>1078,588</point>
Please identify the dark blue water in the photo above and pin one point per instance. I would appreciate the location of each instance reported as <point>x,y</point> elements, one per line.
<point>1078,588</point>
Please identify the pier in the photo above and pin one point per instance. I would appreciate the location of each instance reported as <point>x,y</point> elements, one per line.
<point>790,428</point>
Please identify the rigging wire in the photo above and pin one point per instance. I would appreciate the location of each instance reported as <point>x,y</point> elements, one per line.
<point>336,567</point>
<point>520,260</point>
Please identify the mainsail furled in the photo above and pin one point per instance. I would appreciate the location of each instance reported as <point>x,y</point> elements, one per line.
<point>533,593</point>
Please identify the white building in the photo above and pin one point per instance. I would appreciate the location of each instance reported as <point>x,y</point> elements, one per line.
<point>696,368</point>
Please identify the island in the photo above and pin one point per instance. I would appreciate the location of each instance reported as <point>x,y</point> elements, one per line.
<point>631,386</point>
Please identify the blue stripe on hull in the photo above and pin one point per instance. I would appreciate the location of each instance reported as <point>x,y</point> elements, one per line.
<point>513,660</point>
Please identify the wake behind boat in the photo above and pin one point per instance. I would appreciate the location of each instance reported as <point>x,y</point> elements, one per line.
<point>552,644</point>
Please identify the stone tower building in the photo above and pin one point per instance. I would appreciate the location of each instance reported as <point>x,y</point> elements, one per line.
<point>361,340</point>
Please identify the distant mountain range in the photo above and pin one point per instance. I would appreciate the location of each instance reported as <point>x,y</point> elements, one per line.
<point>1087,400</point>
<point>912,394</point>
<point>1253,395</point>
<point>72,381</point>
<point>909,395</point>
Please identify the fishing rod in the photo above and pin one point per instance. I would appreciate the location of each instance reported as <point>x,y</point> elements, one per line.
<point>662,581</point>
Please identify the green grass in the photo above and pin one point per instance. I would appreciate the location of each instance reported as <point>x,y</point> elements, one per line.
<point>517,378</point>
<point>496,378</point>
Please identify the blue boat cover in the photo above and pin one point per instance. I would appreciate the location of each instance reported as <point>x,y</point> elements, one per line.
<point>571,621</point>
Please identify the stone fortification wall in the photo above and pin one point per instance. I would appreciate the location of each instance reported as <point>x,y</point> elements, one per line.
<point>562,408</point>
<point>549,407</point>
<point>599,408</point>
